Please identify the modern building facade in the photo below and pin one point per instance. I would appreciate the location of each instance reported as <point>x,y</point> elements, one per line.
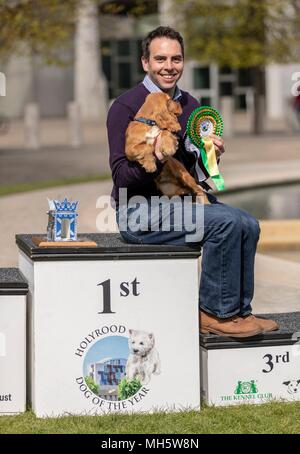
<point>52,88</point>
<point>108,373</point>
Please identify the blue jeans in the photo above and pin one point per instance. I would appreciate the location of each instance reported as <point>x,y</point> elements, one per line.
<point>228,240</point>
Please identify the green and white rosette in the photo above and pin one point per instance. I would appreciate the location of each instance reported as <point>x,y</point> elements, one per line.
<point>203,122</point>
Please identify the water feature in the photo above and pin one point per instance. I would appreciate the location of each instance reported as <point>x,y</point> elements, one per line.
<point>280,202</point>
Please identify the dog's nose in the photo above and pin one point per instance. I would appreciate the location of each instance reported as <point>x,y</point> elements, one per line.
<point>135,351</point>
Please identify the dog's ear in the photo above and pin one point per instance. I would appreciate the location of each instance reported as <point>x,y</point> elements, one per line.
<point>161,119</point>
<point>156,107</point>
<point>161,114</point>
<point>174,107</point>
<point>151,337</point>
<point>286,383</point>
<point>166,120</point>
<point>298,381</point>
<point>149,107</point>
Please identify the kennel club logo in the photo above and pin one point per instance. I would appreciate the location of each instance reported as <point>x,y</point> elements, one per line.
<point>292,387</point>
<point>118,365</point>
<point>246,391</point>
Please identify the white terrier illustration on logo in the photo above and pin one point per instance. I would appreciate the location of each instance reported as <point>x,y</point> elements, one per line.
<point>292,386</point>
<point>143,359</point>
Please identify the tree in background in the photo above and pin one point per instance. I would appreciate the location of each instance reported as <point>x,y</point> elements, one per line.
<point>242,34</point>
<point>47,25</point>
<point>47,28</point>
<point>94,387</point>
<point>128,388</point>
<point>44,26</point>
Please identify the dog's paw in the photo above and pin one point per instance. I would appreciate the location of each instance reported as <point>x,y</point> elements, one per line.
<point>150,167</point>
<point>201,197</point>
<point>168,151</point>
<point>169,144</point>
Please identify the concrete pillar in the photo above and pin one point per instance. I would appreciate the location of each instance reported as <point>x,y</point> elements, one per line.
<point>2,84</point>
<point>75,125</point>
<point>90,84</point>
<point>32,126</point>
<point>274,99</point>
<point>18,72</point>
<point>167,16</point>
<point>258,119</point>
<point>227,112</point>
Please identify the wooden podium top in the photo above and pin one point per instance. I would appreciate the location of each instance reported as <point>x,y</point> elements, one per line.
<point>43,242</point>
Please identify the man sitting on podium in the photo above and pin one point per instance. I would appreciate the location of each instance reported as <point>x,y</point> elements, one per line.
<point>230,235</point>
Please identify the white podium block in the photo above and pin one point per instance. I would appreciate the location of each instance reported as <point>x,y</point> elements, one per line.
<point>254,370</point>
<point>113,328</point>
<point>13,291</point>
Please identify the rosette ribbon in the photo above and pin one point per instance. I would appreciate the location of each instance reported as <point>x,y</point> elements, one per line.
<point>203,122</point>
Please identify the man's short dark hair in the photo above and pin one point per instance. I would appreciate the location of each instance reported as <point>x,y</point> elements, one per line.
<point>160,32</point>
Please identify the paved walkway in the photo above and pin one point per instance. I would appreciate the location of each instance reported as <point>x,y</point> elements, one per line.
<point>55,159</point>
<point>248,161</point>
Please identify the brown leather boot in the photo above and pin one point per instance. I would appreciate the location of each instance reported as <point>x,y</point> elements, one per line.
<point>231,327</point>
<point>265,324</point>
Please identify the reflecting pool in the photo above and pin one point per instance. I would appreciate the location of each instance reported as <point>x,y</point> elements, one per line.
<point>280,202</point>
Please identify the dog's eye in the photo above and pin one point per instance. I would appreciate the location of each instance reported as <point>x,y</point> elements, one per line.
<point>141,343</point>
<point>133,342</point>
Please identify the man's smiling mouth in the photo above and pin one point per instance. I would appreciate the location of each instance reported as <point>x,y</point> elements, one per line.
<point>168,76</point>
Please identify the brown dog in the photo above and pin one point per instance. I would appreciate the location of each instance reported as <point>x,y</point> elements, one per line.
<point>158,117</point>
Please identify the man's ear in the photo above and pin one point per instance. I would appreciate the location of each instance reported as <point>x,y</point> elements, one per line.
<point>145,64</point>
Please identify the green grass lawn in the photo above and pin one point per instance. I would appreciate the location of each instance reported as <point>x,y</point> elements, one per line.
<point>25,187</point>
<point>275,417</point>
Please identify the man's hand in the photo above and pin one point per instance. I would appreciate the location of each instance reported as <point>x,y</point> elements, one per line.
<point>219,145</point>
<point>157,151</point>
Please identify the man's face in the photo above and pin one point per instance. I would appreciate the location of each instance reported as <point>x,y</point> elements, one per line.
<point>165,64</point>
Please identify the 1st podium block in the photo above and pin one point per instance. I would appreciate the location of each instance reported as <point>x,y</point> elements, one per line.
<point>112,328</point>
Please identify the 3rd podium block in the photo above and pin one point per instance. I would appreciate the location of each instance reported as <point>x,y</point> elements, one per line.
<point>253,370</point>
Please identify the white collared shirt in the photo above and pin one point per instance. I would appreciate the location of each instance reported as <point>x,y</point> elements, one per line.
<point>155,89</point>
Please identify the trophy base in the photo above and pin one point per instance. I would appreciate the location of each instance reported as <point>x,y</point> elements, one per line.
<point>43,242</point>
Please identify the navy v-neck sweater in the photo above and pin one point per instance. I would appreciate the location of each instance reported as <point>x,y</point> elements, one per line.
<point>129,174</point>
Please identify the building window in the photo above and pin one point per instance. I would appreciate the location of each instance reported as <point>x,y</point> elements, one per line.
<point>123,48</point>
<point>205,101</point>
<point>244,77</point>
<point>201,76</point>
<point>121,64</point>
<point>124,79</point>
<point>241,102</point>
<point>226,88</point>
